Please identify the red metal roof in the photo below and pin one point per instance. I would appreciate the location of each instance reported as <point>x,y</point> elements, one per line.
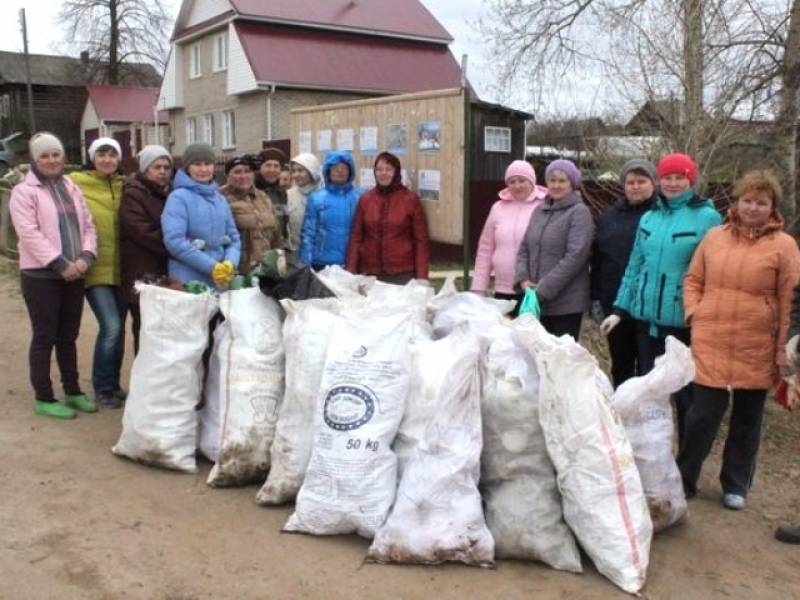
<point>125,104</point>
<point>403,17</point>
<point>328,59</point>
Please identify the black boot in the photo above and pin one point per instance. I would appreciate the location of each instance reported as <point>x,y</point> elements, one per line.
<point>788,534</point>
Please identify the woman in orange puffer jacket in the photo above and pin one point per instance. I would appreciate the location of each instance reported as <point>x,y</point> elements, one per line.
<point>737,297</point>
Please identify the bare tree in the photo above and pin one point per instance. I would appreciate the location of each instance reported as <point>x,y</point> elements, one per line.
<point>720,62</point>
<point>116,32</point>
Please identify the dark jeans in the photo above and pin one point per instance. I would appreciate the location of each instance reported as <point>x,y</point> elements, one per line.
<point>516,297</point>
<point>741,447</point>
<point>55,307</point>
<point>559,325</point>
<point>396,278</point>
<point>136,325</point>
<point>648,349</point>
<point>623,349</point>
<point>107,305</point>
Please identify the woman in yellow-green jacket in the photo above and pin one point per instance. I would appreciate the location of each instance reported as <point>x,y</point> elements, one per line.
<point>101,185</point>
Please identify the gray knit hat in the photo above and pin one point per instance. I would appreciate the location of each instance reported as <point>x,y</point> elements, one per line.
<point>151,153</point>
<point>198,152</point>
<point>42,142</point>
<point>639,165</point>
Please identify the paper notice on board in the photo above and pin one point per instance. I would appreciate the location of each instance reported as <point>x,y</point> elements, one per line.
<point>368,140</point>
<point>323,140</point>
<point>304,141</point>
<point>396,138</point>
<point>366,179</point>
<point>344,139</point>
<point>430,182</point>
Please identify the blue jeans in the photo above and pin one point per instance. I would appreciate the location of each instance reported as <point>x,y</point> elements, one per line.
<point>108,307</point>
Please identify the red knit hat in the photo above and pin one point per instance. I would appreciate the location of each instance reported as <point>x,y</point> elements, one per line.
<point>677,164</point>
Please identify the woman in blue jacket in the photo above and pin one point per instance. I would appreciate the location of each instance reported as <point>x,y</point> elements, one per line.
<point>329,214</point>
<point>651,291</point>
<point>199,231</point>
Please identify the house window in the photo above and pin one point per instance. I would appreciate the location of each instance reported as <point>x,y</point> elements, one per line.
<point>497,139</point>
<point>208,129</point>
<point>228,129</point>
<point>194,61</point>
<point>191,130</point>
<point>221,52</point>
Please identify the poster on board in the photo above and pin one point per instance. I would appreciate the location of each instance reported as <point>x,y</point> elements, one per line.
<point>396,138</point>
<point>368,140</point>
<point>429,136</point>
<point>344,139</point>
<point>324,140</point>
<point>429,185</point>
<point>304,142</point>
<point>366,179</point>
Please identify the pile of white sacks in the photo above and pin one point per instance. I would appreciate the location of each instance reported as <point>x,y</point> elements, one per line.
<point>432,425</point>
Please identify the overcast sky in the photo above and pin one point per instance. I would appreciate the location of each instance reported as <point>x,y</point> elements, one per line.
<point>44,32</point>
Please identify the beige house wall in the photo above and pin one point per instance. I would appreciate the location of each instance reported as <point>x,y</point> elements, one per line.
<point>207,94</point>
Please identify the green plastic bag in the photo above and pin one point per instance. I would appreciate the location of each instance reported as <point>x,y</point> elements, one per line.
<point>530,304</point>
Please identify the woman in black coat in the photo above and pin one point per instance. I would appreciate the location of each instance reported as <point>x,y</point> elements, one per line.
<point>614,236</point>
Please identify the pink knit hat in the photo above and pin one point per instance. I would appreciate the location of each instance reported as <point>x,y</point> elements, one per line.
<point>521,168</point>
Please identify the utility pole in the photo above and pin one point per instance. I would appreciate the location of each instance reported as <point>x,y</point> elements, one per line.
<point>23,25</point>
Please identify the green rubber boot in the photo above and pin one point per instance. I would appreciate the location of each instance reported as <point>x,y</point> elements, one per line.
<point>80,402</point>
<point>55,410</point>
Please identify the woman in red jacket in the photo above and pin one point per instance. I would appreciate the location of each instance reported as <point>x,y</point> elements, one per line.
<point>389,235</point>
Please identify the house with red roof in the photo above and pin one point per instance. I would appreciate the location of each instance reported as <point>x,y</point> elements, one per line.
<point>237,67</point>
<point>128,114</point>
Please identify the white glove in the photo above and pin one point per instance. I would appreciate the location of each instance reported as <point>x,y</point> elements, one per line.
<point>609,323</point>
<point>791,352</point>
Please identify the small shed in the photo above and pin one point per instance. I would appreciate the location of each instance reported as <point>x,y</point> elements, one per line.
<point>450,151</point>
<point>125,113</point>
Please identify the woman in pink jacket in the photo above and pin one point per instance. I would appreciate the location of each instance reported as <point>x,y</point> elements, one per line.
<point>503,232</point>
<point>57,245</point>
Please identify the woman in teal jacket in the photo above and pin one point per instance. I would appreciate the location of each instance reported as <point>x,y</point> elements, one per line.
<point>651,291</point>
<point>329,213</point>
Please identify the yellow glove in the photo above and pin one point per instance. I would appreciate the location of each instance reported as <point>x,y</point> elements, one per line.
<point>222,273</point>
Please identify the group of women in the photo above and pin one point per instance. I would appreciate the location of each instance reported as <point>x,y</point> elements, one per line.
<point>94,233</point>
<point>657,263</point>
<point>660,263</point>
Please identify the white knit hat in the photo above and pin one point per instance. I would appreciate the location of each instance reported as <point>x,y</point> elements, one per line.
<point>310,163</point>
<point>104,141</point>
<point>150,153</point>
<point>42,142</point>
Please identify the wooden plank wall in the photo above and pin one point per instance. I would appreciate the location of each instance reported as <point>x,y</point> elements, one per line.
<point>445,215</point>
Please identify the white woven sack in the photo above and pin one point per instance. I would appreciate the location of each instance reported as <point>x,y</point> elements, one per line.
<point>307,332</point>
<point>601,491</point>
<point>518,480</point>
<point>643,404</point>
<point>159,425</point>
<point>250,358</point>
<point>438,515</point>
<point>351,479</point>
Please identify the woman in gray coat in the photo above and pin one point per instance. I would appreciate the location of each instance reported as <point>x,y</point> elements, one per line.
<point>554,255</point>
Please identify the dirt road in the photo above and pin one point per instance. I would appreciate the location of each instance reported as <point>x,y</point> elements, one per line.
<point>77,522</point>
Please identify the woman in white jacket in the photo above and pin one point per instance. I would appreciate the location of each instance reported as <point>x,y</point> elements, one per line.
<point>305,176</point>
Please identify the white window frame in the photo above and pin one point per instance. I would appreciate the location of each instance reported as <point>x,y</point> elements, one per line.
<point>228,129</point>
<point>191,130</point>
<point>195,66</point>
<point>208,128</point>
<point>220,52</point>
<point>497,139</point>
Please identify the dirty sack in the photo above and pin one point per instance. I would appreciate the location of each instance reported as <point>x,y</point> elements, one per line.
<point>643,405</point>
<point>307,332</point>
<point>345,284</point>
<point>602,495</point>
<point>449,309</point>
<point>438,515</point>
<point>351,478</point>
<point>518,480</point>
<point>244,389</point>
<point>159,425</point>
